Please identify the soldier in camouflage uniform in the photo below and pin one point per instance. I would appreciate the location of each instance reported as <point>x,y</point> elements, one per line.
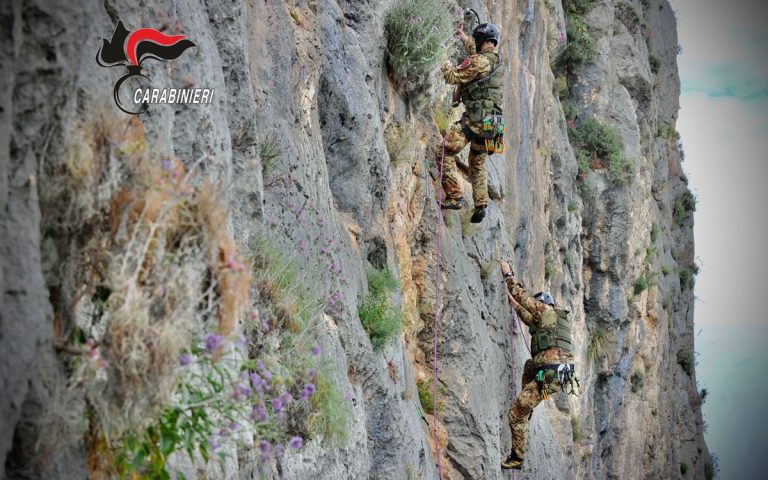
<point>479,89</point>
<point>550,369</point>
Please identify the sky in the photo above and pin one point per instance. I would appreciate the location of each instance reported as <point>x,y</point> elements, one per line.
<point>724,126</point>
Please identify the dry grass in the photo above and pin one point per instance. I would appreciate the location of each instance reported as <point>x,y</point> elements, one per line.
<point>165,258</point>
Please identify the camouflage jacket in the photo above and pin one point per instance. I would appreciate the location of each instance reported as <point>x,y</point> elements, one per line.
<point>474,66</point>
<point>537,315</point>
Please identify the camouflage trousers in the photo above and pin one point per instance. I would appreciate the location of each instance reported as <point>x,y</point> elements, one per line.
<point>455,141</point>
<point>528,398</point>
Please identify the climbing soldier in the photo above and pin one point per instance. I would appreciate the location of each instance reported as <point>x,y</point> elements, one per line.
<point>479,89</point>
<point>550,369</point>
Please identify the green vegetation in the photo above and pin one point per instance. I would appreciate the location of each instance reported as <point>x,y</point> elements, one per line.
<point>573,206</point>
<point>641,284</point>
<point>685,203</point>
<point>596,144</point>
<point>599,340</point>
<point>269,151</point>
<point>711,468</point>
<point>637,380</point>
<point>683,468</point>
<point>654,62</point>
<point>426,399</point>
<point>654,232</point>
<point>381,319</point>
<point>569,110</point>
<point>685,358</point>
<point>665,269</point>
<point>418,32</point>
<point>560,87</point>
<point>576,7</point>
<point>549,269</point>
<point>575,428</point>
<point>581,45</point>
<point>687,278</point>
<point>567,259</point>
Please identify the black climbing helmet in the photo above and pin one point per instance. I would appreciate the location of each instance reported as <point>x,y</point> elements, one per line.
<point>486,31</point>
<point>545,297</point>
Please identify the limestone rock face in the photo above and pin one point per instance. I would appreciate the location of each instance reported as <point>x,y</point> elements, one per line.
<point>313,76</point>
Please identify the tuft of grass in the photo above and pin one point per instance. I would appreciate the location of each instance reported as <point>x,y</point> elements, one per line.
<point>418,33</point>
<point>687,279</point>
<point>597,144</point>
<point>381,319</point>
<point>665,270</point>
<point>637,380</point>
<point>569,110</point>
<point>654,62</point>
<point>685,358</point>
<point>269,151</point>
<point>685,204</point>
<point>549,269</point>
<point>426,397</point>
<point>575,429</point>
<point>683,468</point>
<point>560,87</point>
<point>576,7</point>
<point>599,340</point>
<point>641,284</point>
<point>573,206</point>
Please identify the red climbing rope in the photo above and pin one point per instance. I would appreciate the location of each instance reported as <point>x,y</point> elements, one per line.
<point>438,308</point>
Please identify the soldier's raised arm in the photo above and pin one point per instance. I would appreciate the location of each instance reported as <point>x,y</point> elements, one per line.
<point>530,309</point>
<point>474,66</point>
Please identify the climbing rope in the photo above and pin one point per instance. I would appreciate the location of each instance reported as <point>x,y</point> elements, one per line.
<point>438,308</point>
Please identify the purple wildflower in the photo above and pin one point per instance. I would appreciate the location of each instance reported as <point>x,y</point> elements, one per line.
<point>259,413</point>
<point>241,391</point>
<point>213,342</point>
<point>234,426</point>
<point>265,326</point>
<point>223,432</point>
<point>265,447</point>
<point>296,442</point>
<point>166,164</point>
<point>323,251</point>
<point>316,350</point>
<point>286,398</point>
<point>185,359</point>
<point>307,391</point>
<point>277,405</point>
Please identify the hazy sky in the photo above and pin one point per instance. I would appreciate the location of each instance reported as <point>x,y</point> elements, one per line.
<point>724,126</point>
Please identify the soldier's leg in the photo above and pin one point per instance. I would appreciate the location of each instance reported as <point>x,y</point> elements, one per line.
<point>455,141</point>
<point>521,410</point>
<point>477,156</point>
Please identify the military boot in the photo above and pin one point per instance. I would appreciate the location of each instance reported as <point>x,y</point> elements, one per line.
<point>452,203</point>
<point>512,462</point>
<point>478,215</point>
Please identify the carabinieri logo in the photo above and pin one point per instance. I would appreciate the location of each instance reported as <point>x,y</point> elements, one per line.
<point>129,49</point>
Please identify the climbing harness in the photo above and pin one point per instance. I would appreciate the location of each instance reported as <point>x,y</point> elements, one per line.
<point>566,376</point>
<point>438,308</point>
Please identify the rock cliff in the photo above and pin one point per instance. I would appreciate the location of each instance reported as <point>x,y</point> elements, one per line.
<point>353,164</point>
